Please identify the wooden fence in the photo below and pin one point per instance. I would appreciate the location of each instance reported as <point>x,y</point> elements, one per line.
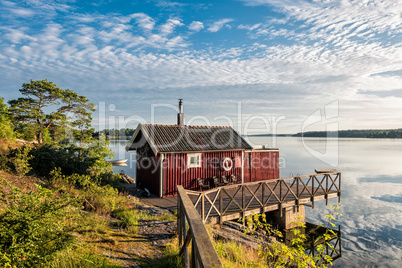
<point>203,253</point>
<point>238,201</point>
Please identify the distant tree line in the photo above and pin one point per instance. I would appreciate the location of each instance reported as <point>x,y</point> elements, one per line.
<point>126,133</point>
<point>115,134</point>
<point>354,133</point>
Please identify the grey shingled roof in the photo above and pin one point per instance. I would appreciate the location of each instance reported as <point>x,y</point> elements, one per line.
<point>174,138</point>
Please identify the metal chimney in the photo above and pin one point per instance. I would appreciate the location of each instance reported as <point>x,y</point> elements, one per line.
<point>180,115</point>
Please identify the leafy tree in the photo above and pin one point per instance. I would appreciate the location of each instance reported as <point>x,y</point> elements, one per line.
<point>46,108</point>
<point>6,128</point>
<point>81,110</point>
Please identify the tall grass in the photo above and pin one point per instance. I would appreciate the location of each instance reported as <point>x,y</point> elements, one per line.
<point>129,219</point>
<point>233,254</point>
<point>83,256</point>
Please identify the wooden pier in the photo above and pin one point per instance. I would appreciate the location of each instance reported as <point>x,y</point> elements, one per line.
<point>237,201</point>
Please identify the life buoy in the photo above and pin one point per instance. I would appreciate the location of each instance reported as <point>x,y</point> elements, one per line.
<point>226,164</point>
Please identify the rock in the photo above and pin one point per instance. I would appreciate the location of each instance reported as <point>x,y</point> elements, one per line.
<point>125,178</point>
<point>231,231</point>
<point>153,210</point>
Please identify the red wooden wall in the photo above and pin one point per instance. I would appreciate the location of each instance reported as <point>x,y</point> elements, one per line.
<point>258,165</point>
<point>176,173</point>
<point>261,165</point>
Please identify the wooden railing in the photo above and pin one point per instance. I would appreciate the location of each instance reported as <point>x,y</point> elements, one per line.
<point>238,201</point>
<point>203,253</point>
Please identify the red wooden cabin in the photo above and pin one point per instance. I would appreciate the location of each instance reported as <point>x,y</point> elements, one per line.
<point>170,155</point>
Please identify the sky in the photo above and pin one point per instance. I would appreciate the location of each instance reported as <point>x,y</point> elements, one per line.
<point>261,66</point>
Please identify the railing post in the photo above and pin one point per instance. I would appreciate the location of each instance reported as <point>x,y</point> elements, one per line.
<point>243,199</point>
<point>263,194</point>
<point>297,193</point>
<point>184,231</point>
<point>202,207</point>
<point>220,207</point>
<point>339,191</point>
<point>312,191</point>
<point>340,240</point>
<point>193,255</point>
<point>326,189</point>
<point>280,199</point>
<point>179,221</point>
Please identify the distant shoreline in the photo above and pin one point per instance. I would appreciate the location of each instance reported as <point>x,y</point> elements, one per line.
<point>354,133</point>
<point>351,133</point>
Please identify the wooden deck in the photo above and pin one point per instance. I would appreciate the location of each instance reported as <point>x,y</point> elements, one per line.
<point>235,201</point>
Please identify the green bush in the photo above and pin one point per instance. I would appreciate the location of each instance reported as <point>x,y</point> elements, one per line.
<point>33,226</point>
<point>3,162</point>
<point>19,160</point>
<point>46,157</point>
<point>73,161</point>
<point>129,218</point>
<point>102,199</point>
<point>277,254</point>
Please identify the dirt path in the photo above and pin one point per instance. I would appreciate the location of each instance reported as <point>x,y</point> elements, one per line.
<point>145,248</point>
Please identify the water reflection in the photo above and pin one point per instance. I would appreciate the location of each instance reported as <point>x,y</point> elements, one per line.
<point>314,237</point>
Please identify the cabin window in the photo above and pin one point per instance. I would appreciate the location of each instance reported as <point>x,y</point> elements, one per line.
<point>194,160</point>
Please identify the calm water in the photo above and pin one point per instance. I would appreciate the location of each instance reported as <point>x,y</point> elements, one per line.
<point>371,191</point>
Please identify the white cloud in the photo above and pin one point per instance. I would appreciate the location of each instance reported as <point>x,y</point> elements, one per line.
<point>168,4</point>
<point>341,19</point>
<point>196,26</point>
<point>144,21</point>
<point>169,26</point>
<point>249,27</point>
<point>23,12</point>
<point>49,6</point>
<point>17,35</point>
<point>218,25</point>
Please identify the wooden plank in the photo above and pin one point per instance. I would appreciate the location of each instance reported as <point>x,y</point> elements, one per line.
<point>198,200</point>
<point>325,170</point>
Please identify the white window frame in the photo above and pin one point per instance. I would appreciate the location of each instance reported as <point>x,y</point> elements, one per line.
<point>197,160</point>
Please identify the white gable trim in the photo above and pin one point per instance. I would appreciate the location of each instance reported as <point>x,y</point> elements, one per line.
<point>146,135</point>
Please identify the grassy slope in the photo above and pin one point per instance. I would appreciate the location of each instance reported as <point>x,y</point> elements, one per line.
<point>99,239</point>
